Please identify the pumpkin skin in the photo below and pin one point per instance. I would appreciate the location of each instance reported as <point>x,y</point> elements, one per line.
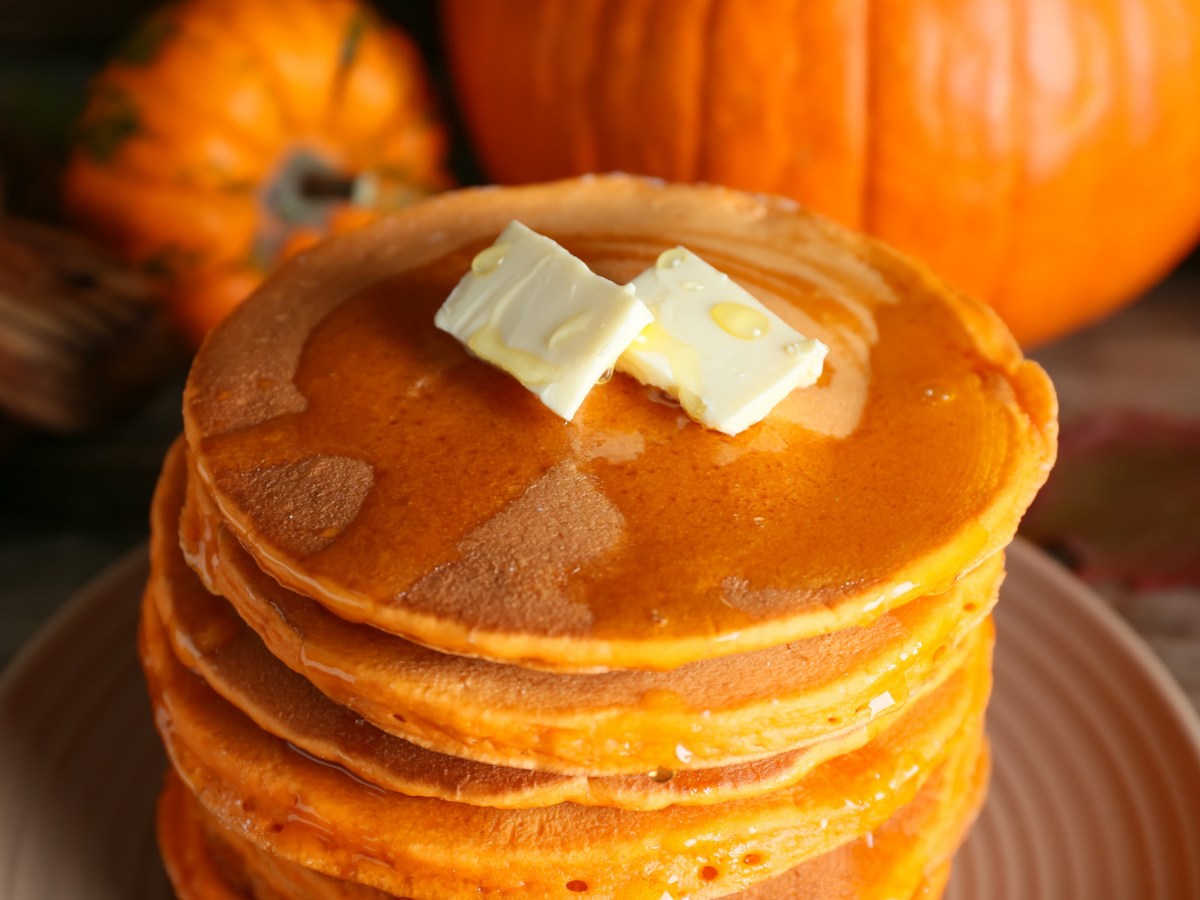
<point>228,134</point>
<point>1040,154</point>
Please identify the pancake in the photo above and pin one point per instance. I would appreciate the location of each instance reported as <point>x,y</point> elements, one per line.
<point>364,459</point>
<point>306,811</point>
<point>906,856</point>
<point>206,636</point>
<point>233,661</point>
<point>932,888</point>
<point>714,713</point>
<point>188,854</point>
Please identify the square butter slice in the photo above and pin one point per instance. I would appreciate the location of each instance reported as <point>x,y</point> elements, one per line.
<point>727,358</point>
<point>532,309</point>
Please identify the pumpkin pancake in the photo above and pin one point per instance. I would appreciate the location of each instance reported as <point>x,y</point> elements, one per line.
<point>713,713</point>
<point>284,704</point>
<point>307,811</point>
<point>909,855</point>
<point>207,636</point>
<point>891,863</point>
<point>365,459</point>
<point>188,854</point>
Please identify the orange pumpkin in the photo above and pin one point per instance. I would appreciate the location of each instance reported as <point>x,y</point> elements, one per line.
<point>229,133</point>
<point>1041,154</point>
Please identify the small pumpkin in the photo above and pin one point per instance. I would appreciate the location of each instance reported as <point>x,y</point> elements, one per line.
<point>227,134</point>
<point>1041,155</point>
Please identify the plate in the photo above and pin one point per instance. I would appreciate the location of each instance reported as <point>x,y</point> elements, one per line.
<point>1095,795</point>
<point>1096,787</point>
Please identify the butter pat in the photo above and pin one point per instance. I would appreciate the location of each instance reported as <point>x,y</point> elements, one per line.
<point>727,358</point>
<point>532,309</point>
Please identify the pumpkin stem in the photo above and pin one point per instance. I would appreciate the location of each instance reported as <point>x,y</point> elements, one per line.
<point>306,187</point>
<point>327,186</point>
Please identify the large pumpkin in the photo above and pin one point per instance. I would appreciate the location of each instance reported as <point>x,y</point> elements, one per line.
<point>229,133</point>
<point>1041,154</point>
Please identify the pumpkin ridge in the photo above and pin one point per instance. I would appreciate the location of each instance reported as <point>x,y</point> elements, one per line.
<point>604,142</point>
<point>202,29</point>
<point>593,123</point>
<point>857,65</point>
<point>548,54</point>
<point>792,65</point>
<point>1123,111</point>
<point>142,48</point>
<point>353,25</point>
<point>690,159</point>
<point>110,119</point>
<point>356,29</point>
<point>587,151</point>
<point>232,29</point>
<point>359,24</point>
<point>1022,128</point>
<point>697,162</point>
<point>150,112</point>
<point>866,193</point>
<point>704,111</point>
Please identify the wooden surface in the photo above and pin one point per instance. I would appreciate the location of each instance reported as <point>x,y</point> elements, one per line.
<point>70,507</point>
<point>81,336</point>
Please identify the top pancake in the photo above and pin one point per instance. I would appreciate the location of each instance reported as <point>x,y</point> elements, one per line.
<point>366,460</point>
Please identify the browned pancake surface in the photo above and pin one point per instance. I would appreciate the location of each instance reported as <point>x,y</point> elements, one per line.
<point>207,636</point>
<point>189,858</point>
<point>366,459</point>
<point>896,860</point>
<point>305,810</point>
<point>718,712</point>
<point>892,863</point>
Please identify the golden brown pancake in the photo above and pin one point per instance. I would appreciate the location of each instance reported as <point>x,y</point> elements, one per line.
<point>187,853</point>
<point>438,643</point>
<point>933,887</point>
<point>906,856</point>
<point>363,458</point>
<point>306,811</point>
<point>207,636</point>
<point>831,689</point>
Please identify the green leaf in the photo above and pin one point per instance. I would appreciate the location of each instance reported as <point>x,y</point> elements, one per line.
<point>355,30</point>
<point>108,122</point>
<point>145,44</point>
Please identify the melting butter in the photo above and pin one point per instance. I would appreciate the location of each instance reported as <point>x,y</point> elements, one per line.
<point>532,309</point>
<point>488,260</point>
<point>742,321</point>
<point>714,347</point>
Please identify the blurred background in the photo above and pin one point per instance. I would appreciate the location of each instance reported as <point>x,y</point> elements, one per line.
<point>71,504</point>
<point>92,358</point>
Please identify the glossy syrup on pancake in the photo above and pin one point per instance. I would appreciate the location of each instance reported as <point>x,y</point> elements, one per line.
<point>306,811</point>
<point>366,460</point>
<point>718,712</point>
<point>208,638</point>
<point>891,863</point>
<point>908,856</point>
<point>284,704</point>
<point>190,858</point>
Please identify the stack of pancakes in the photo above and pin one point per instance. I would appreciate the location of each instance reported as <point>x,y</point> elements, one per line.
<point>409,634</point>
